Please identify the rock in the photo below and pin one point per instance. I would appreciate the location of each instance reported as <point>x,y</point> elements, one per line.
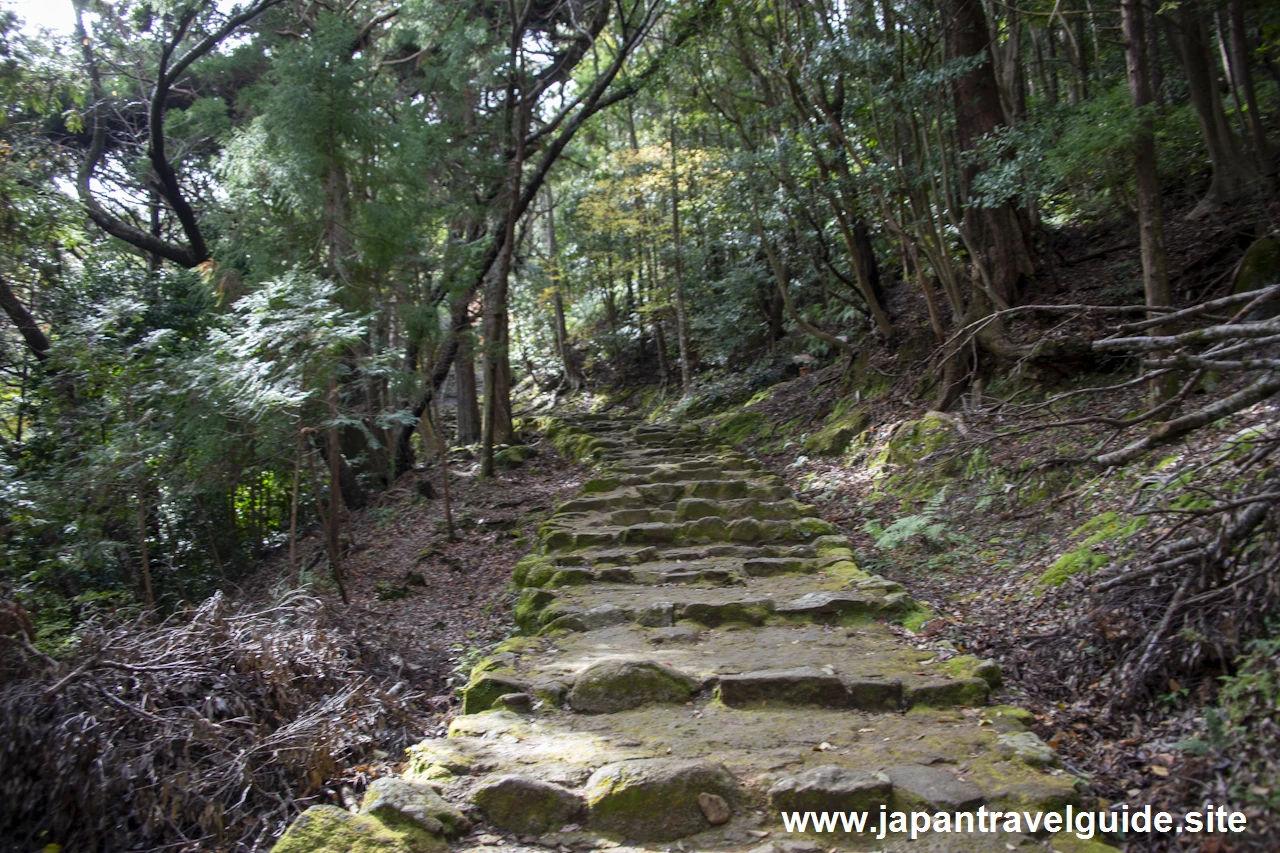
<point>655,799</point>
<point>791,687</point>
<point>484,690</point>
<point>519,702</point>
<point>674,635</point>
<point>524,805</point>
<point>712,614</point>
<point>813,603</point>
<point>971,692</point>
<point>391,797</point>
<point>439,758</point>
<point>916,784</point>
<point>1259,268</point>
<point>659,614</point>
<point>513,457</point>
<point>831,788</point>
<point>834,438</point>
<point>714,808</point>
<point>911,441</point>
<point>329,829</point>
<point>551,691</point>
<point>616,685</point>
<point>1027,748</point>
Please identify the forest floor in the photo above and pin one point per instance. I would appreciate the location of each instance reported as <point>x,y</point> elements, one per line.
<point>430,605</point>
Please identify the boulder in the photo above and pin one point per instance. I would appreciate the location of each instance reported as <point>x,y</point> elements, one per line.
<point>483,691</point>
<point>391,798</point>
<point>616,685</point>
<point>528,806</point>
<point>329,829</point>
<point>655,799</point>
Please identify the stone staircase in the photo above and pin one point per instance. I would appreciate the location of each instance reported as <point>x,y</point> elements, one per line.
<point>700,653</point>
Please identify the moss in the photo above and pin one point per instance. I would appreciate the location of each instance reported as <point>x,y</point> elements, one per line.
<point>611,686</point>
<point>1070,564</point>
<point>833,546</point>
<point>655,799</point>
<point>846,572</point>
<point>1109,526</point>
<point>1008,718</point>
<point>513,457</point>
<point>914,440</point>
<point>804,528</point>
<point>968,666</point>
<point>740,426</point>
<point>915,619</point>
<point>532,571</point>
<point>437,759</point>
<point>329,829</point>
<point>525,805</point>
<point>482,692</point>
<point>1066,842</point>
<point>529,606</point>
<point>834,438</point>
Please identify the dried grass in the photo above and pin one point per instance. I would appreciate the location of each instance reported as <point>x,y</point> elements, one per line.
<point>209,731</point>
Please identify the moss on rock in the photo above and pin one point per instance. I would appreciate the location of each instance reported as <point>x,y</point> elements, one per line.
<point>655,799</point>
<point>740,426</point>
<point>392,799</point>
<point>484,689</point>
<point>329,829</point>
<point>529,607</point>
<point>834,438</point>
<point>524,805</point>
<point>914,440</point>
<point>617,685</point>
<point>513,457</point>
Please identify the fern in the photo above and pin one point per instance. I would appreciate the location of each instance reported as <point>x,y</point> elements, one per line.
<point>924,525</point>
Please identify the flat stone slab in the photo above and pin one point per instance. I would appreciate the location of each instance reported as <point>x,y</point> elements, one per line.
<point>831,788</point>
<point>916,783</point>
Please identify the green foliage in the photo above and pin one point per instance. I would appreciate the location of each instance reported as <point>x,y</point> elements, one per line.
<point>923,527</point>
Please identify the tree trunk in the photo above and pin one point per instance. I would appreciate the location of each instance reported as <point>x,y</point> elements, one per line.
<point>1232,176</point>
<point>497,390</point>
<point>34,337</point>
<point>1261,147</point>
<point>1155,272</point>
<point>682,334</point>
<point>468,411</point>
<point>573,378</point>
<point>996,232</point>
<point>334,527</point>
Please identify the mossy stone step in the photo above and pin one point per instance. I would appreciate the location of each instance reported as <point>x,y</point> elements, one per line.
<point>709,652</point>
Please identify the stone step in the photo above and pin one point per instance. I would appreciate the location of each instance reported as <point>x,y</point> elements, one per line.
<point>701,652</point>
<point>637,773</point>
<point>865,668</point>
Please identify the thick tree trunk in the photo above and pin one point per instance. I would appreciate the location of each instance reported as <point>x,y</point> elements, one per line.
<point>468,411</point>
<point>1261,147</point>
<point>1233,178</point>
<point>996,232</point>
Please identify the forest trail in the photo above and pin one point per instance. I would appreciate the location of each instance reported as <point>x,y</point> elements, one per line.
<point>702,654</point>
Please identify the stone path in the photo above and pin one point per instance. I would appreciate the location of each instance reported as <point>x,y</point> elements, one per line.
<point>702,653</point>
